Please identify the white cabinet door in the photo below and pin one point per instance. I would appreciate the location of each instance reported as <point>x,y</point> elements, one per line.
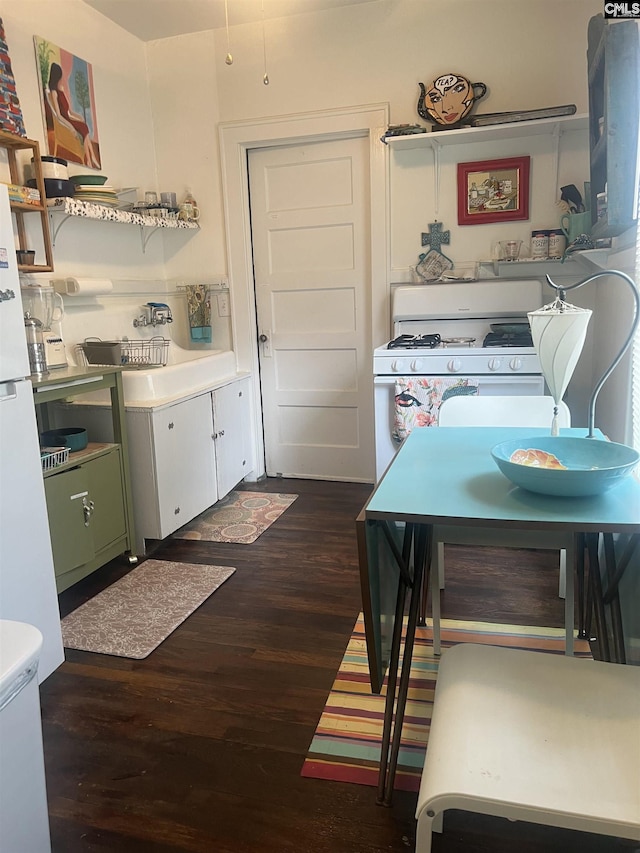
<point>231,422</point>
<point>184,456</point>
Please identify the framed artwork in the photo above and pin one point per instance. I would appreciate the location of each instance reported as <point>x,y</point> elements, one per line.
<point>68,105</point>
<point>493,190</point>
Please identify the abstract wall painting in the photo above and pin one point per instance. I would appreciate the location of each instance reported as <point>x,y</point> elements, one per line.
<point>10,112</point>
<point>68,105</point>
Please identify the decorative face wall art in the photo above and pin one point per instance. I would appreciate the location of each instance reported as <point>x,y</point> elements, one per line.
<point>68,105</point>
<point>448,99</point>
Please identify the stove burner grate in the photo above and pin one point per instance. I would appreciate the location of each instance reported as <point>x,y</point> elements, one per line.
<point>411,341</point>
<point>522,339</point>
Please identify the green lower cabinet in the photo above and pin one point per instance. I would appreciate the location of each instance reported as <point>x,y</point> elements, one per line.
<point>86,516</point>
<point>71,540</point>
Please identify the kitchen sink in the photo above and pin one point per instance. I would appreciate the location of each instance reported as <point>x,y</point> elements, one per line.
<point>186,371</point>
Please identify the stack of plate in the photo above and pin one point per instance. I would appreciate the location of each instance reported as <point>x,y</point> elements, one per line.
<point>105,194</point>
<point>94,188</point>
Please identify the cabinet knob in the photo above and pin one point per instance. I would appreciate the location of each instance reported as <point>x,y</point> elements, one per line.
<point>176,511</point>
<point>170,425</point>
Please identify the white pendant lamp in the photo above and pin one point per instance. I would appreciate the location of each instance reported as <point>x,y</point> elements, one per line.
<point>558,331</point>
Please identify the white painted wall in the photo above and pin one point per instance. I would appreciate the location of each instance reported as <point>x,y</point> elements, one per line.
<point>183,87</point>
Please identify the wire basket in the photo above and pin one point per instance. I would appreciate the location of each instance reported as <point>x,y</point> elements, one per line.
<point>51,457</point>
<point>128,354</point>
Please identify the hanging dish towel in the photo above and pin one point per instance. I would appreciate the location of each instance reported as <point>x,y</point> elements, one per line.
<point>418,400</point>
<point>199,312</point>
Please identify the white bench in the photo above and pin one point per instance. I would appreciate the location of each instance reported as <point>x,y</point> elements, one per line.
<point>536,737</point>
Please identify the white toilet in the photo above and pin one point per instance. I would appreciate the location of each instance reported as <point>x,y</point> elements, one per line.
<point>24,817</point>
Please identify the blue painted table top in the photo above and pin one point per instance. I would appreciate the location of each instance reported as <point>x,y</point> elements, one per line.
<point>446,475</point>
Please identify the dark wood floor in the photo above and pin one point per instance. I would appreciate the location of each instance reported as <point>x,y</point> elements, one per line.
<point>199,747</point>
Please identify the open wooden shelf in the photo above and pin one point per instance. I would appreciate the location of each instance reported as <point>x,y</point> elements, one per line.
<point>13,143</point>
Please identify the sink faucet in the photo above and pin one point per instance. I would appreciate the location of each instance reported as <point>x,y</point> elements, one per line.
<point>156,314</point>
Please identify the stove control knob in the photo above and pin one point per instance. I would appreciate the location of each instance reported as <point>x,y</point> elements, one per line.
<point>494,364</point>
<point>416,364</point>
<point>454,365</point>
<point>396,365</point>
<point>515,364</point>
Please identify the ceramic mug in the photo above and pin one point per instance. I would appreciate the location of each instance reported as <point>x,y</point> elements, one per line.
<point>574,224</point>
<point>188,212</point>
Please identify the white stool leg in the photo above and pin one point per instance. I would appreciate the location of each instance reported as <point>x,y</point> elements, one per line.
<point>423,832</point>
<point>440,563</point>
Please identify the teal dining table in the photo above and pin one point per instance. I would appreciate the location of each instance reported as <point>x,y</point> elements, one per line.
<point>446,476</point>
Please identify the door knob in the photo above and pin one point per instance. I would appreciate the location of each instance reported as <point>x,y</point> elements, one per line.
<point>266,343</point>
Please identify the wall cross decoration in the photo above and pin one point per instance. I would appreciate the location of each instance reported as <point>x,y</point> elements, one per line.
<point>436,236</point>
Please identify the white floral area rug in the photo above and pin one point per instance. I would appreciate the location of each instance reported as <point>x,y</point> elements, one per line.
<point>134,615</point>
<point>239,518</point>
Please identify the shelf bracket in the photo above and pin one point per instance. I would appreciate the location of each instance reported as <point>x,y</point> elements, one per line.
<point>55,228</point>
<point>435,147</point>
<point>145,239</point>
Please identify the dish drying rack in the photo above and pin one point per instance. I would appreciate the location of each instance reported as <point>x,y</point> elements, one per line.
<point>51,457</point>
<point>131,355</point>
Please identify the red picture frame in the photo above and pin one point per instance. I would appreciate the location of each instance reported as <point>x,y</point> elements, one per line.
<point>493,190</point>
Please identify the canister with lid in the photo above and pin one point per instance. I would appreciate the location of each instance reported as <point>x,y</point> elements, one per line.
<point>557,242</point>
<point>540,244</point>
<point>54,168</point>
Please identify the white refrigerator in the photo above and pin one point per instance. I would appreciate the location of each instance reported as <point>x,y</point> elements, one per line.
<point>27,579</point>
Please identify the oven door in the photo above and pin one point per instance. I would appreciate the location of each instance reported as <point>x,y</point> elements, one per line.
<point>384,406</point>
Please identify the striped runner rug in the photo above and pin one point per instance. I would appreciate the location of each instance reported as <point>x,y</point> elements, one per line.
<point>346,744</point>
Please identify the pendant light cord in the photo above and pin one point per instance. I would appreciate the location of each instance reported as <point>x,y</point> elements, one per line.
<point>228,58</point>
<point>265,76</point>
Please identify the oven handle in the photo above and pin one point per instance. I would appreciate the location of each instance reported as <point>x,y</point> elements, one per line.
<point>484,378</point>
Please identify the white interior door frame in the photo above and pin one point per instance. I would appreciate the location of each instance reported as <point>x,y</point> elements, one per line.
<point>236,139</point>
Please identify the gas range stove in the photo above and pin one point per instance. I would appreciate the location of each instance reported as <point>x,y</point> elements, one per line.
<point>455,329</point>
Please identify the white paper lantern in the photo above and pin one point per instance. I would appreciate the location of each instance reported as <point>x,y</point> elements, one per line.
<point>558,331</point>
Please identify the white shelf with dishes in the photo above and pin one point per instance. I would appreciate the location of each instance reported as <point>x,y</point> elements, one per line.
<point>64,208</point>
<point>589,260</point>
<point>490,133</point>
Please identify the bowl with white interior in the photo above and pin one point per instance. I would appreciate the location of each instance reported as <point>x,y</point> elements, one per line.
<point>587,466</point>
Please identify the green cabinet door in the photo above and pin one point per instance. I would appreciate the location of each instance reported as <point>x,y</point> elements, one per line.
<point>105,490</point>
<point>67,495</point>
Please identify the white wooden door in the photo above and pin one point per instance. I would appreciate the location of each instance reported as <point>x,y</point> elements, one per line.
<point>310,231</point>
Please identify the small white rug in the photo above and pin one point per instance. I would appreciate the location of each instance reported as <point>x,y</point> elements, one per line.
<point>135,614</point>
